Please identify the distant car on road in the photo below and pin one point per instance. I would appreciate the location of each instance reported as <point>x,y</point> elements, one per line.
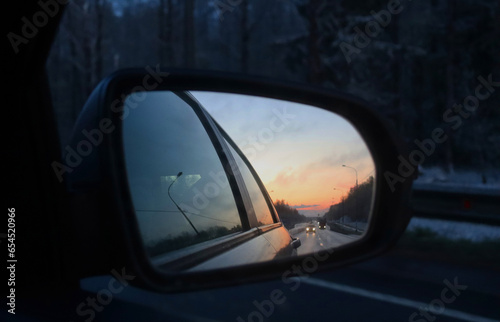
<point>310,229</point>
<point>322,223</point>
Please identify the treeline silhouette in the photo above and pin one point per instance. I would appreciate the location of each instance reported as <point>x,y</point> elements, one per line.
<point>289,216</point>
<point>355,206</point>
<point>414,68</point>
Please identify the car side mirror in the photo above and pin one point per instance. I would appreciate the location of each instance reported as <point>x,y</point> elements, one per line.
<point>296,243</point>
<point>171,187</point>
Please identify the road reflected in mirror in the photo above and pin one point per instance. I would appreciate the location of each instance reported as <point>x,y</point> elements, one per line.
<point>222,179</point>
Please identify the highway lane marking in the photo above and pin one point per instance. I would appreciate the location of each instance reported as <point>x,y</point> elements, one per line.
<point>391,299</point>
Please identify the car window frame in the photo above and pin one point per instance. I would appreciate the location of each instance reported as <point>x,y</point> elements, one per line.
<point>255,176</point>
<point>237,185</point>
<point>192,255</point>
<point>218,165</point>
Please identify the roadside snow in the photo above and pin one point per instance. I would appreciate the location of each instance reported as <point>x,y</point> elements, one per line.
<point>481,182</point>
<point>466,179</point>
<point>457,230</point>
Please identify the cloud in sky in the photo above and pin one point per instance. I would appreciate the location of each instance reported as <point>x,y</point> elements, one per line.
<point>305,206</point>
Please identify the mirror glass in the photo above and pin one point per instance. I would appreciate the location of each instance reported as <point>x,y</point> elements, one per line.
<point>220,179</point>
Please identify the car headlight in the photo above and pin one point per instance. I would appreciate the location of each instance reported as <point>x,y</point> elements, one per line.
<point>314,228</point>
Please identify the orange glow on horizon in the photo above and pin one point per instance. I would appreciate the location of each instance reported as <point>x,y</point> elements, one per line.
<point>315,192</point>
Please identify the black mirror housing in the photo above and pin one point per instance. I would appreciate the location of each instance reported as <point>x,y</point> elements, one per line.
<point>96,176</point>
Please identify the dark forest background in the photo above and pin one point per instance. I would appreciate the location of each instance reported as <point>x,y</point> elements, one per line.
<point>427,58</point>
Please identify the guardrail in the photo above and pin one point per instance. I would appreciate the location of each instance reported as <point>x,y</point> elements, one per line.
<point>344,229</point>
<point>456,203</point>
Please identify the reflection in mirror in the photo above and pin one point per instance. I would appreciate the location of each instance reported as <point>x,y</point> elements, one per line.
<point>213,175</point>
<point>314,164</point>
<point>171,167</point>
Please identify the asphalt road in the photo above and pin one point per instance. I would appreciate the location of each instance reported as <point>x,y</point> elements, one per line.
<point>322,239</point>
<point>389,288</point>
<point>393,287</point>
